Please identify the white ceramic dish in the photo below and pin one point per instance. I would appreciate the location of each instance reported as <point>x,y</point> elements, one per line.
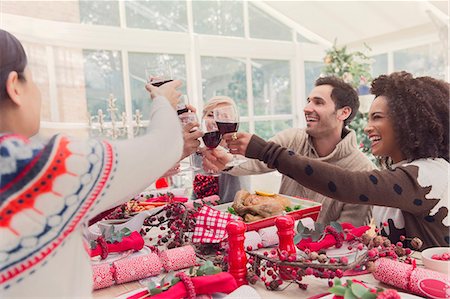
<point>402,295</point>
<point>436,265</point>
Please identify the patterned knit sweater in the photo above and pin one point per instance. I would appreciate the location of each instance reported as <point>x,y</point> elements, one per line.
<point>419,189</point>
<point>48,192</point>
<point>346,155</point>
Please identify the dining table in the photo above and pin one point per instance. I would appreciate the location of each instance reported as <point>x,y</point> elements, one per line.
<point>316,287</point>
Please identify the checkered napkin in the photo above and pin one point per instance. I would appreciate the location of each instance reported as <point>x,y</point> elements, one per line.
<point>210,226</point>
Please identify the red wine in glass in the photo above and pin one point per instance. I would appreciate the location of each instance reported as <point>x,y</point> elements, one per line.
<point>212,139</point>
<point>159,83</point>
<point>227,127</point>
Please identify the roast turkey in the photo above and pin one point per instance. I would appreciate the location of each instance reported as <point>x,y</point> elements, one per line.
<point>252,207</point>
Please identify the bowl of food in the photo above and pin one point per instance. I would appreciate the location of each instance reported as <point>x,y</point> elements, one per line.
<point>437,259</point>
<point>260,209</point>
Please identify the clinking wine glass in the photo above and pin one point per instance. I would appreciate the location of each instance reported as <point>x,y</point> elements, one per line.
<point>159,73</point>
<point>227,120</point>
<point>187,117</point>
<point>211,137</point>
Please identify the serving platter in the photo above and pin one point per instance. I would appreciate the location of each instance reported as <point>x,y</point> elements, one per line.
<point>308,208</point>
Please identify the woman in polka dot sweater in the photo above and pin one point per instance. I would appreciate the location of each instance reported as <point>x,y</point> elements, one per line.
<point>409,129</point>
<point>49,190</point>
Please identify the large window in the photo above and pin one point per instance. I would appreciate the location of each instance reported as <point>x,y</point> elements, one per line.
<point>104,81</point>
<point>84,52</point>
<point>227,77</point>
<point>271,87</point>
<point>157,15</point>
<point>219,17</point>
<point>424,60</point>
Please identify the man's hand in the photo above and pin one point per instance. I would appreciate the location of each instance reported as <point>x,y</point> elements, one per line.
<point>215,160</point>
<point>237,142</point>
<point>167,90</point>
<point>191,136</point>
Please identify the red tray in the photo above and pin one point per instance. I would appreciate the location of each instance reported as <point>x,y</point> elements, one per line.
<point>309,209</point>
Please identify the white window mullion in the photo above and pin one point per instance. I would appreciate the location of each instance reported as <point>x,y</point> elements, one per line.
<point>122,14</point>
<point>246,20</point>
<point>248,73</point>
<point>390,62</point>
<point>192,63</point>
<point>52,84</point>
<point>298,86</point>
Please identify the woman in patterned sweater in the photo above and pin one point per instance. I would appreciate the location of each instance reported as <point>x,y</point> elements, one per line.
<point>409,129</point>
<point>49,190</point>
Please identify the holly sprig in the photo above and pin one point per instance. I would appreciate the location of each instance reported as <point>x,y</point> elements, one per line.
<point>171,279</point>
<point>354,289</point>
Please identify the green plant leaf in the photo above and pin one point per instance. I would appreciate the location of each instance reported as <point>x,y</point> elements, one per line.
<point>315,235</point>
<point>300,227</point>
<point>126,231</point>
<point>155,291</point>
<point>297,238</point>
<point>358,289</point>
<point>191,271</point>
<point>349,294</point>
<point>369,295</point>
<point>337,290</point>
<point>337,282</point>
<point>337,226</point>
<point>151,285</point>
<point>174,281</point>
<point>319,227</point>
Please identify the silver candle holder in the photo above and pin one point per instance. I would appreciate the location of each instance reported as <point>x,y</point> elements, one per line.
<point>118,126</point>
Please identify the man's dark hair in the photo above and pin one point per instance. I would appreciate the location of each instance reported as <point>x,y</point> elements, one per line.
<point>419,111</point>
<point>343,94</point>
<point>12,58</point>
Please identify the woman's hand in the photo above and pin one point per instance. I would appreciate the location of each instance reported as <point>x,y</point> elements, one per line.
<point>215,160</point>
<point>167,90</point>
<point>191,136</point>
<point>237,142</point>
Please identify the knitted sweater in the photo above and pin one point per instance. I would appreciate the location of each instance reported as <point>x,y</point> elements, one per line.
<point>418,188</point>
<point>345,155</point>
<point>49,191</point>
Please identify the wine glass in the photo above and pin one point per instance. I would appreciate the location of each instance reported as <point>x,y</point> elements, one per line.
<point>159,73</point>
<point>187,117</point>
<point>211,138</point>
<point>227,120</point>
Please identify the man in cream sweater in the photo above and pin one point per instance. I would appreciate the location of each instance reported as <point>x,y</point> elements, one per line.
<point>332,104</point>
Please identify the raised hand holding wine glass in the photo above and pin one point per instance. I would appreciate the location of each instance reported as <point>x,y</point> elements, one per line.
<point>227,120</point>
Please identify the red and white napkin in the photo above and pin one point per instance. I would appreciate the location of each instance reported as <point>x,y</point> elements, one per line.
<point>210,226</point>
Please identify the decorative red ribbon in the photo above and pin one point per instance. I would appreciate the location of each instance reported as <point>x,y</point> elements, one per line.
<point>218,283</point>
<point>133,241</point>
<point>330,240</point>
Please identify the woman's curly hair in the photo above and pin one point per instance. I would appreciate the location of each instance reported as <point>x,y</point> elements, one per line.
<point>419,110</point>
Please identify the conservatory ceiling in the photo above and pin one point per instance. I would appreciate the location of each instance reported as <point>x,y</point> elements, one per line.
<point>352,22</point>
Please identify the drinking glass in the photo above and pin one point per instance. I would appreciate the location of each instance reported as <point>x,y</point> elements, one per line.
<point>211,138</point>
<point>159,73</point>
<point>227,120</point>
<point>187,117</point>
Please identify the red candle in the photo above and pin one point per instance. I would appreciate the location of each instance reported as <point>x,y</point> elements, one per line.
<point>237,258</point>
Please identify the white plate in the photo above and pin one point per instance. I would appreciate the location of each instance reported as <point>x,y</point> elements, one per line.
<point>402,295</point>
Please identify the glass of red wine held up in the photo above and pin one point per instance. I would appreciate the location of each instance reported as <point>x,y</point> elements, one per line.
<point>227,120</point>
<point>211,136</point>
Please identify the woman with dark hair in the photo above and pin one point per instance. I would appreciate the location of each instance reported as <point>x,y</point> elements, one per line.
<point>409,127</point>
<point>49,191</point>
